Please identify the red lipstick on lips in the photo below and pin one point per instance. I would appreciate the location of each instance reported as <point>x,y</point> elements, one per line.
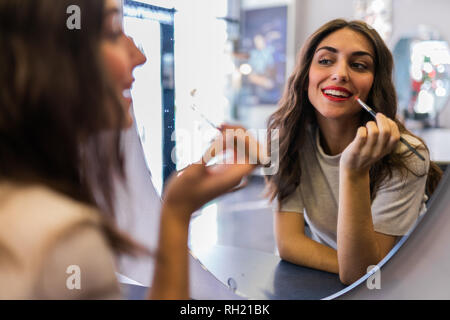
<point>333,98</point>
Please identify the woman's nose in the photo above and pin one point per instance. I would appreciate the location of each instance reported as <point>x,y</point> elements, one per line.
<point>340,73</point>
<point>137,56</point>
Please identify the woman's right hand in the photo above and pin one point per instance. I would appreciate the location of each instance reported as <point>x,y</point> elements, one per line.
<point>189,190</point>
<point>372,142</point>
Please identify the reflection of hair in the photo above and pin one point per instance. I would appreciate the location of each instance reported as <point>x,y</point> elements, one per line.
<point>54,98</point>
<point>295,112</point>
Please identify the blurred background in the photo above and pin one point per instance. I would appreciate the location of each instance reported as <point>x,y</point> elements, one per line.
<point>230,60</point>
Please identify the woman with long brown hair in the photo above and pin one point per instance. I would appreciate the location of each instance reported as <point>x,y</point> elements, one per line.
<point>64,98</point>
<point>341,172</point>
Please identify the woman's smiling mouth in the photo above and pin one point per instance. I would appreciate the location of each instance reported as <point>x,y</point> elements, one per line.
<point>336,93</point>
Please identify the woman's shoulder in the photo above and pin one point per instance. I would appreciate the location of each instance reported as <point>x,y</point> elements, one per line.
<point>33,216</point>
<point>42,232</point>
<point>412,140</point>
<point>412,161</point>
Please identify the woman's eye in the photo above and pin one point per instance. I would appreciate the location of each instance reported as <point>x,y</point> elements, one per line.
<point>325,61</point>
<point>118,34</point>
<point>114,35</point>
<point>359,66</point>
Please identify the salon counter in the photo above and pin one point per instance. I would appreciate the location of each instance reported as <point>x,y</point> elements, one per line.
<point>259,275</point>
<point>249,274</point>
<point>203,285</point>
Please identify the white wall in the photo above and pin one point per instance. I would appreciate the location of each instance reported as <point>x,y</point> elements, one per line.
<point>311,14</point>
<point>408,14</point>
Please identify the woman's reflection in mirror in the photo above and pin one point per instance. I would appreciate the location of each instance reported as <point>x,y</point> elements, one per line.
<point>343,173</point>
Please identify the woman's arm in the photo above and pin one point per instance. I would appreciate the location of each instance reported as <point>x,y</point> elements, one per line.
<point>294,246</point>
<point>171,280</point>
<point>359,246</point>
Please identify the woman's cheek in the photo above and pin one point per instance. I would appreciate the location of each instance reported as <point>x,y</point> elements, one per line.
<point>115,63</point>
<point>367,86</point>
<point>116,66</point>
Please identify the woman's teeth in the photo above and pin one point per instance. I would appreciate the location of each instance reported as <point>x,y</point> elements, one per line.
<point>126,93</point>
<point>336,93</point>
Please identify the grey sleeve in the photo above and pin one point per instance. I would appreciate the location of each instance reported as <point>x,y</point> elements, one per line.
<point>401,199</point>
<point>293,203</point>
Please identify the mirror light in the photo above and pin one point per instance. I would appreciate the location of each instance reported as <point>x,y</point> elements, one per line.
<point>245,69</point>
<point>425,102</point>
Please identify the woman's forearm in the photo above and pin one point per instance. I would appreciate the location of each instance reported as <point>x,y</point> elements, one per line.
<point>303,251</point>
<point>356,240</point>
<point>171,275</point>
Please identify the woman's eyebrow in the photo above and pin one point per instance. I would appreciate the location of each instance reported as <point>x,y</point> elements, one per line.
<point>356,53</point>
<point>334,50</point>
<point>362,53</point>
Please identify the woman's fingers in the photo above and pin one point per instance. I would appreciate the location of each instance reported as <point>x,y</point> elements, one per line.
<point>384,135</point>
<point>388,137</point>
<point>199,184</point>
<point>361,138</point>
<point>217,146</point>
<point>384,129</point>
<point>245,147</point>
<point>371,143</point>
<point>223,178</point>
<point>395,135</point>
<point>372,138</point>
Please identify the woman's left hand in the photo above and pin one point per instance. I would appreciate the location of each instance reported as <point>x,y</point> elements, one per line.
<point>372,142</point>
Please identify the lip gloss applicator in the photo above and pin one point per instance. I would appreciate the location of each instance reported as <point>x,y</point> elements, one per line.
<point>194,107</point>
<point>374,115</point>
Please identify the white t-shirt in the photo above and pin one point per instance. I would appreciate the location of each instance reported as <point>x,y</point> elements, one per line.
<point>397,205</point>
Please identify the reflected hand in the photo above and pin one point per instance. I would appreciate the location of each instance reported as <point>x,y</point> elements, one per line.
<point>372,142</point>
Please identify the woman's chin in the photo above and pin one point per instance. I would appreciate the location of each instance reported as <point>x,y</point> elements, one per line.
<point>332,114</point>
<point>337,113</point>
<point>128,120</point>
<point>128,109</point>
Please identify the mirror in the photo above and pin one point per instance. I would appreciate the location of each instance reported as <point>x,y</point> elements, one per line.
<point>215,52</point>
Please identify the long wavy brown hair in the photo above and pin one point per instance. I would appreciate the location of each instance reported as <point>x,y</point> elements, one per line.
<point>296,113</point>
<point>60,117</point>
